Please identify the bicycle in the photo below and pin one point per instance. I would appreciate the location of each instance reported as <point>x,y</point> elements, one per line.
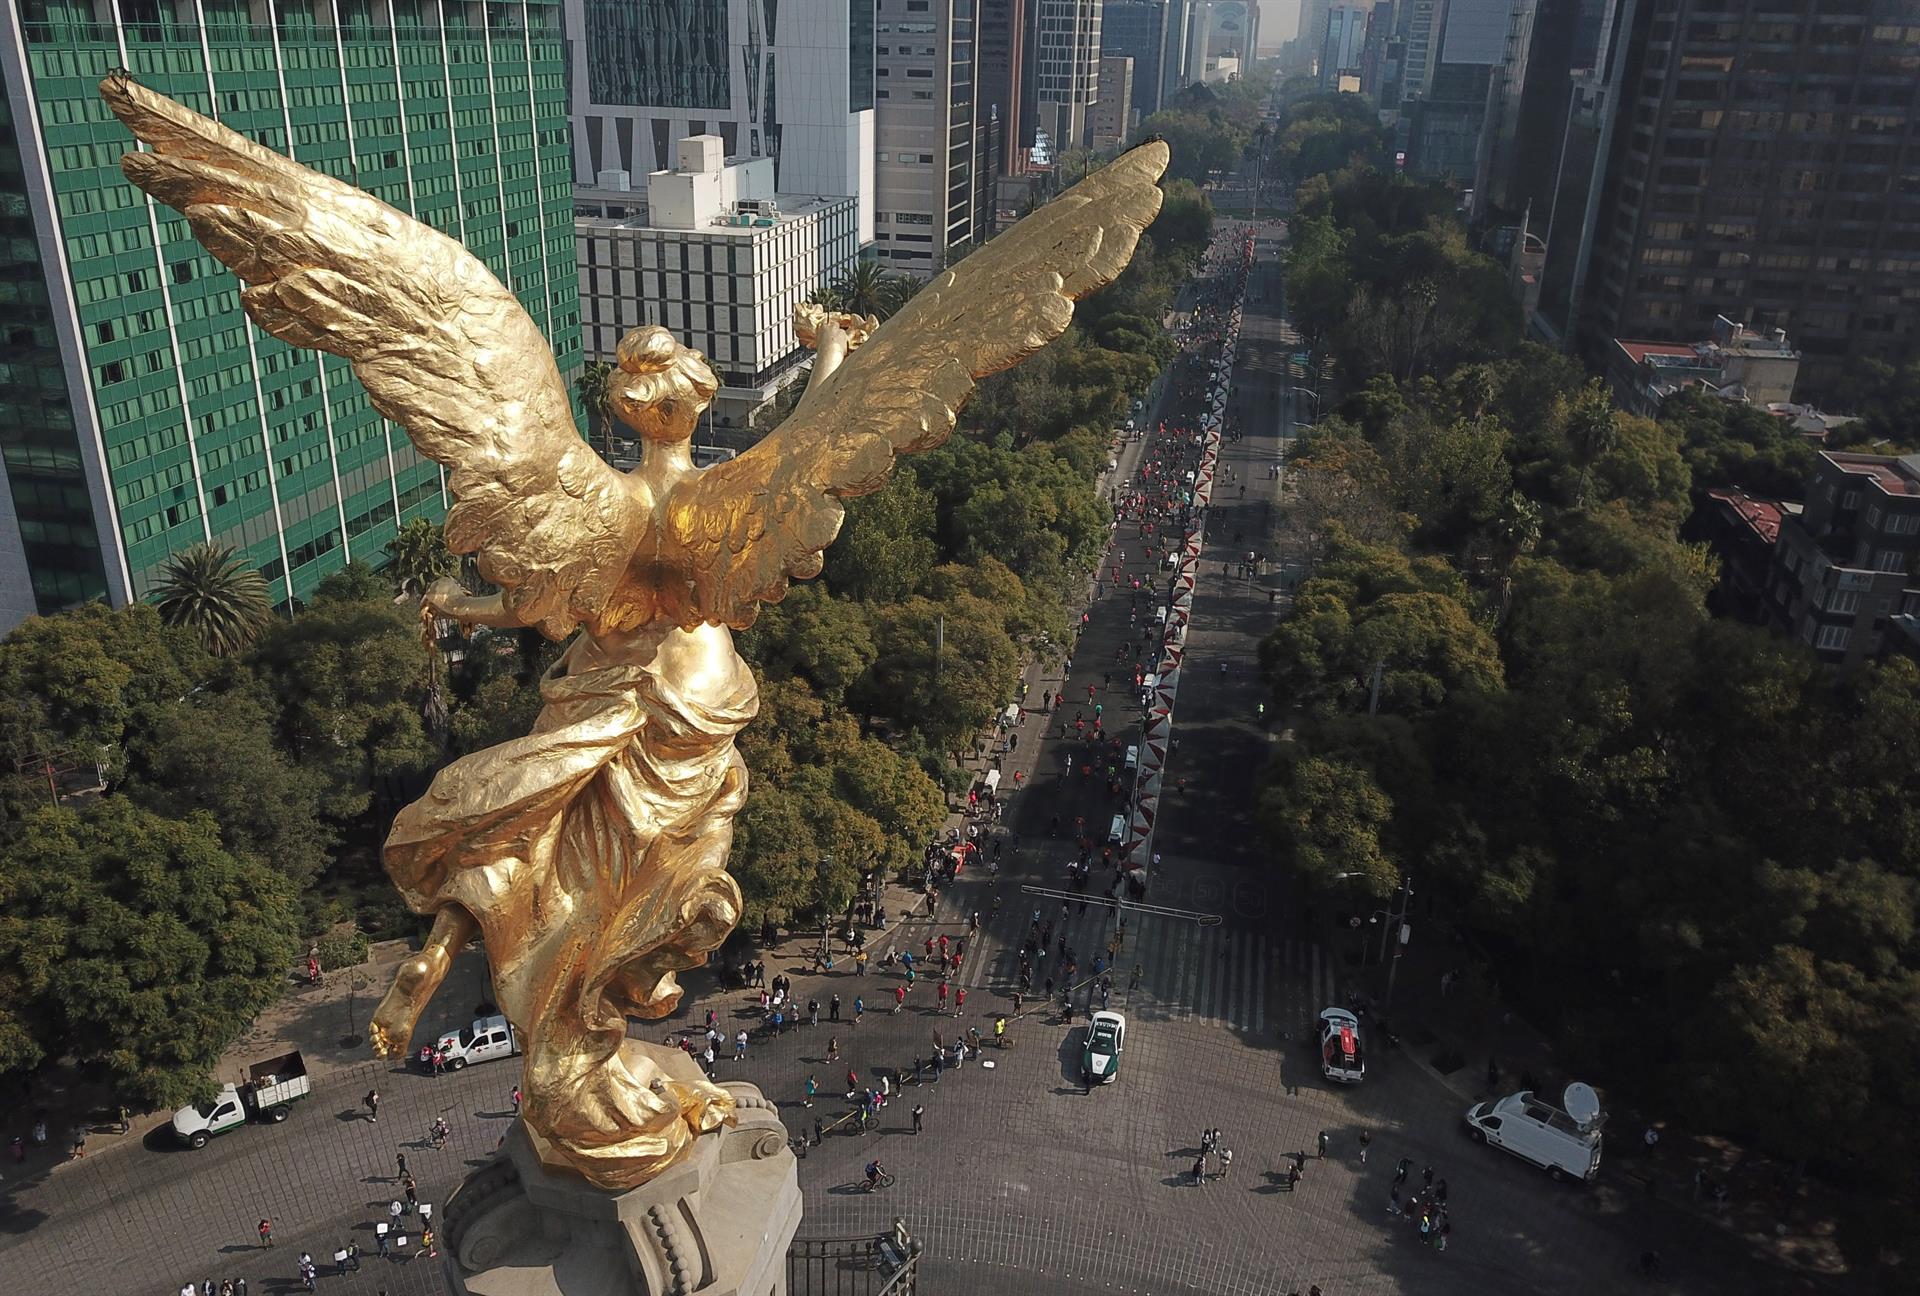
<point>882,1180</point>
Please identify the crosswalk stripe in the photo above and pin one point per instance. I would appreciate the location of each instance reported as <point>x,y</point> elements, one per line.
<point>1240,960</point>
<point>1191,981</point>
<point>1206,968</point>
<point>1259,1022</point>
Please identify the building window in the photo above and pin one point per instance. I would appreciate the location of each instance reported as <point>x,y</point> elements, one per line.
<point>1850,500</point>
<point>1833,638</point>
<point>1891,560</point>
<point>1843,601</point>
<point>628,63</point>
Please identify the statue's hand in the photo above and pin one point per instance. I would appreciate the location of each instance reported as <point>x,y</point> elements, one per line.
<point>823,330</point>
<point>445,596</point>
<point>449,599</point>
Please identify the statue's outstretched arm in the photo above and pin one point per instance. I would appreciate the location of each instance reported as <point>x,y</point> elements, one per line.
<point>450,599</point>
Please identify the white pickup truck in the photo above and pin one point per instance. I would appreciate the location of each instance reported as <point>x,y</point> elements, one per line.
<point>486,1039</point>
<point>271,1086</point>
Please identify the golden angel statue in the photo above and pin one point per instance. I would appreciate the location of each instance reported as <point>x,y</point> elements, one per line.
<point>591,854</point>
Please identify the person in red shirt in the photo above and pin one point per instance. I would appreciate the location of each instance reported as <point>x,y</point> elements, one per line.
<point>959,1000</point>
<point>899,997</point>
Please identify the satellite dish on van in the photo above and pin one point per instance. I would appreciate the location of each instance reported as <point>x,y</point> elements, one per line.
<point>1581,1103</point>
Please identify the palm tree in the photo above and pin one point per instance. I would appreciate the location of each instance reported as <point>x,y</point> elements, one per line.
<point>417,556</point>
<point>1591,426</point>
<point>594,386</point>
<point>868,289</point>
<point>1476,387</point>
<point>1592,431</point>
<point>209,590</point>
<point>1515,532</point>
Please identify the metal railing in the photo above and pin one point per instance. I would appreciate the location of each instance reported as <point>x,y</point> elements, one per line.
<point>882,1265</point>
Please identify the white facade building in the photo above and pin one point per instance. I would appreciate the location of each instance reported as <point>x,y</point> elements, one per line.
<point>792,82</point>
<point>716,255</point>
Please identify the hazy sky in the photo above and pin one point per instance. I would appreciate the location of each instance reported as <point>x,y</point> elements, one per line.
<point>1279,19</point>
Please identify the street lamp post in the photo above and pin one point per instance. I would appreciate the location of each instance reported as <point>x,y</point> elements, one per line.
<point>1400,933</point>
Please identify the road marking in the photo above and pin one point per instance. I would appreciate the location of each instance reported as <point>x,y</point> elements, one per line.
<point>1260,968</point>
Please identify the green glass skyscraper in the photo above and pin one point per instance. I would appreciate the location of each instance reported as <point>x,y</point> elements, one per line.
<point>140,411</point>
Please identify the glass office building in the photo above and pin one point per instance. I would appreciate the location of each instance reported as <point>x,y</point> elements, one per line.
<point>140,411</point>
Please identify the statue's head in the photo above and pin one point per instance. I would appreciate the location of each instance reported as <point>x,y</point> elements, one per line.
<point>661,388</point>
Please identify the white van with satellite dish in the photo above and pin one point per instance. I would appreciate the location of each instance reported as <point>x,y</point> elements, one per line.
<point>1563,1142</point>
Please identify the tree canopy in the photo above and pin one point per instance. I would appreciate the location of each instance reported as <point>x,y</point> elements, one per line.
<point>1600,782</point>
<point>134,943</point>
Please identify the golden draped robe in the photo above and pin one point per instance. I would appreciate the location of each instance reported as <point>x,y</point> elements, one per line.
<point>592,854</point>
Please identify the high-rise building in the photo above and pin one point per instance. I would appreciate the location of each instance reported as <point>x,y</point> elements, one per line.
<point>1495,182</point>
<point>1444,122</point>
<point>1175,52</point>
<point>140,411</point>
<point>1000,45</point>
<point>1311,38</point>
<point>1066,65</point>
<point>1137,29</point>
<point>1230,28</point>
<point>1113,111</point>
<point>1376,64</point>
<point>1340,50</point>
<point>793,82</point>
<point>1579,176</point>
<point>1419,27</point>
<point>1563,39</point>
<point>1764,163</point>
<point>926,191</point>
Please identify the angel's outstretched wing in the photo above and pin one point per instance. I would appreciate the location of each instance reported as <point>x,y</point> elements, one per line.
<point>753,522</point>
<point>443,349</point>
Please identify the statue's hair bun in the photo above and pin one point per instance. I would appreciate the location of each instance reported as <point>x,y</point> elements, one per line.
<point>648,350</point>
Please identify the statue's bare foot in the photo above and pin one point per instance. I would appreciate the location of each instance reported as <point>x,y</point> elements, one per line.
<point>413,985</point>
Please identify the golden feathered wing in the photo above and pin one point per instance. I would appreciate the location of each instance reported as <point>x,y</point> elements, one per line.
<point>750,524</point>
<point>442,348</point>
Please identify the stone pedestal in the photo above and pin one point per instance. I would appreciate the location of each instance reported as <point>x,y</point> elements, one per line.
<point>718,1224</point>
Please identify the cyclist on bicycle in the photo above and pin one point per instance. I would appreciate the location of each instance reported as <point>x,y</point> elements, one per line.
<point>874,1171</point>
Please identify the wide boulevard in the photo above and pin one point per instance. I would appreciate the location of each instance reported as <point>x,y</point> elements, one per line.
<point>1022,1181</point>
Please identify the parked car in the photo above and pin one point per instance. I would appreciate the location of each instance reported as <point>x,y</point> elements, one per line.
<point>1117,830</point>
<point>270,1088</point>
<point>487,1039</point>
<point>1106,1039</point>
<point>1340,1058</point>
<point>1563,1141</point>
